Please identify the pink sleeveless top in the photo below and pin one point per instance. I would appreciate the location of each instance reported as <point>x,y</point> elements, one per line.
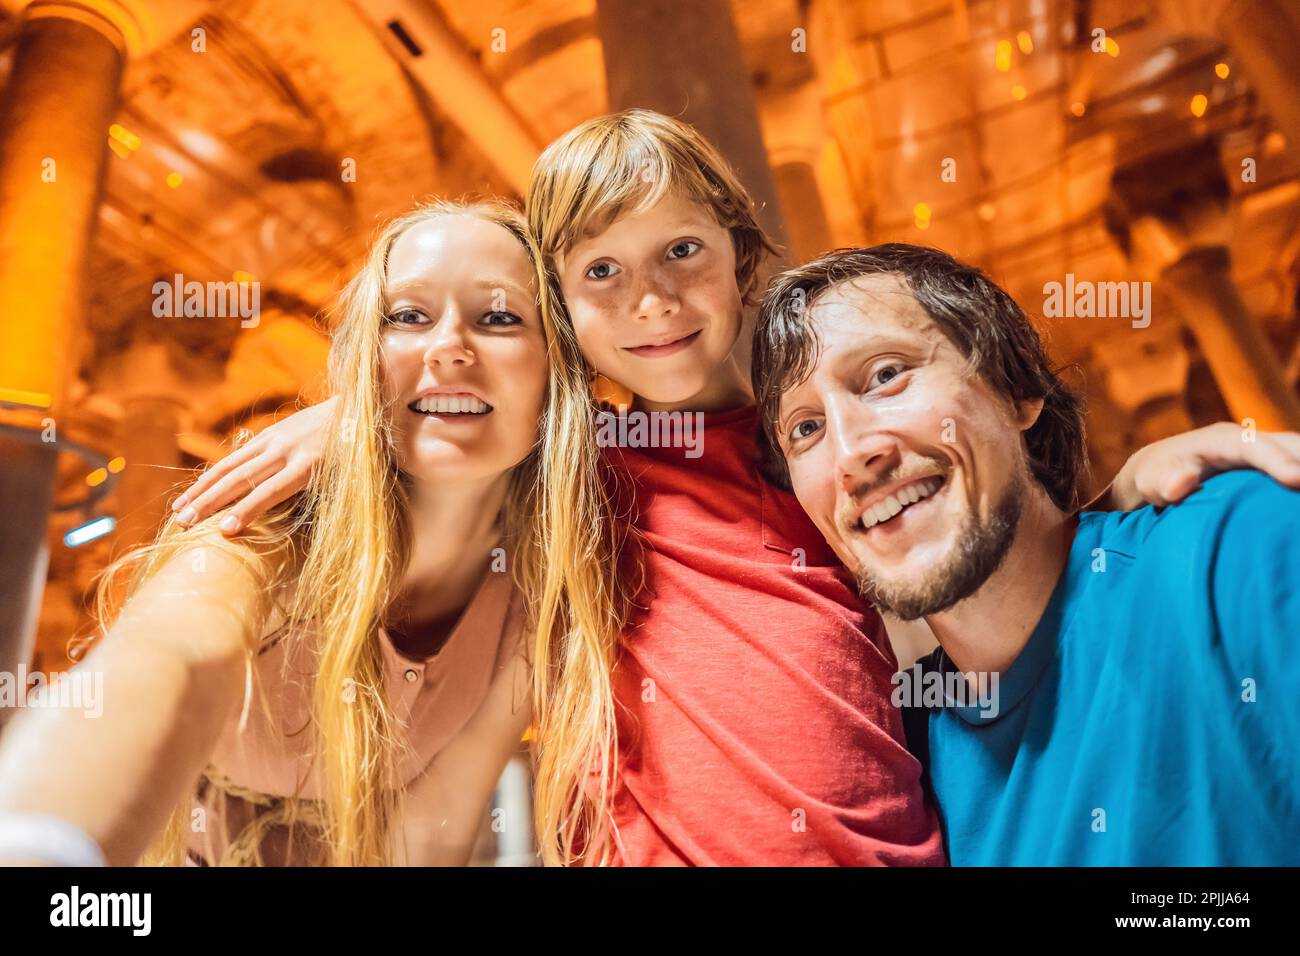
<point>261,780</point>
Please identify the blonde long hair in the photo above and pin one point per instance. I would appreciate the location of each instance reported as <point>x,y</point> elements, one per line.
<point>343,544</point>
<point>601,170</point>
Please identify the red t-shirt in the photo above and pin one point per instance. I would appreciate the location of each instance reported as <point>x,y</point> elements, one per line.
<point>755,723</point>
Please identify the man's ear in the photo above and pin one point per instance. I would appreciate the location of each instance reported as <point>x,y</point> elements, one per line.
<point>1027,413</point>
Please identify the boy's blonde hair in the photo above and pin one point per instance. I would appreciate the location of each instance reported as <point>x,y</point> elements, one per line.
<point>593,175</point>
<point>623,163</point>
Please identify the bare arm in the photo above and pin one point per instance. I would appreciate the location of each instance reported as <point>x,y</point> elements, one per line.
<point>274,465</point>
<point>172,669</point>
<point>443,808</point>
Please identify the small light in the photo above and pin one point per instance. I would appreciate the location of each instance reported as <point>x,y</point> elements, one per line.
<point>174,179</point>
<point>1221,70</point>
<point>124,136</point>
<point>1274,143</point>
<point>986,211</point>
<point>921,211</point>
<point>1112,47</point>
<point>1002,56</point>
<point>1018,92</point>
<point>88,532</point>
<point>1077,108</point>
<point>122,151</point>
<point>242,276</point>
<point>1025,42</point>
<point>1199,104</point>
<point>117,464</point>
<point>97,477</point>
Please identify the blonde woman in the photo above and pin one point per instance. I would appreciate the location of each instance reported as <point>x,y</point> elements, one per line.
<point>344,683</point>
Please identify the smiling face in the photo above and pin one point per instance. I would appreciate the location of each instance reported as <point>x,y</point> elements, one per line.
<point>912,467</point>
<point>463,353</point>
<point>654,301</point>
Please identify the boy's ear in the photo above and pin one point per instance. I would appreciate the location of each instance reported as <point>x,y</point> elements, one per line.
<point>1028,412</point>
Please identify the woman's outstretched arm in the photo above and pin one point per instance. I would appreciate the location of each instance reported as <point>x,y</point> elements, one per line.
<point>165,679</point>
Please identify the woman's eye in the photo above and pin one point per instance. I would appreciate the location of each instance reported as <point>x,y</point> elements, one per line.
<point>602,270</point>
<point>502,318</point>
<point>803,429</point>
<point>683,249</point>
<point>405,317</point>
<point>885,375</point>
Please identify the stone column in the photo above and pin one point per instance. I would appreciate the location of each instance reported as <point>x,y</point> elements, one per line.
<point>685,60</point>
<point>57,105</point>
<point>1244,363</point>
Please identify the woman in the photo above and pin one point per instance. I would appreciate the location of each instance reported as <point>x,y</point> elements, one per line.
<point>372,625</point>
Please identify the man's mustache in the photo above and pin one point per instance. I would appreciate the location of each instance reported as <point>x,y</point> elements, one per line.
<point>906,471</point>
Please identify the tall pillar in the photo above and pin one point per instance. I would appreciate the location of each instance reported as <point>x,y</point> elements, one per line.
<point>57,105</point>
<point>153,404</point>
<point>685,60</point>
<point>1170,214</point>
<point>1243,361</point>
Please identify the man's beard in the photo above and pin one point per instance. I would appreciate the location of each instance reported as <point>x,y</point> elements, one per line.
<point>980,551</point>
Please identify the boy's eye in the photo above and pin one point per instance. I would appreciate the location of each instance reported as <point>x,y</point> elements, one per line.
<point>683,249</point>
<point>803,429</point>
<point>502,319</point>
<point>602,270</point>
<point>886,374</point>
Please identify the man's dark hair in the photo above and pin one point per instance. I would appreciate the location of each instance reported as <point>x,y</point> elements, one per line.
<point>979,318</point>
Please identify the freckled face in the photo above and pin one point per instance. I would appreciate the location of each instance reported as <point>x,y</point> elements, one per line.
<point>912,467</point>
<point>463,353</point>
<point>654,299</point>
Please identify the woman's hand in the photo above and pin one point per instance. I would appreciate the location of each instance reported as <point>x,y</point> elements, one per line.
<point>1169,470</point>
<point>274,464</point>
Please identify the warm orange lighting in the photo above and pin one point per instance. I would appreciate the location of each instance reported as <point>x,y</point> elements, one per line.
<point>121,150</point>
<point>1274,143</point>
<point>124,136</point>
<point>1199,104</point>
<point>242,276</point>
<point>18,396</point>
<point>922,213</point>
<point>1112,47</point>
<point>117,464</point>
<point>1002,56</point>
<point>174,179</point>
<point>1221,70</point>
<point>97,477</point>
<point>1025,42</point>
<point>986,211</point>
<point>1077,108</point>
<point>1018,92</point>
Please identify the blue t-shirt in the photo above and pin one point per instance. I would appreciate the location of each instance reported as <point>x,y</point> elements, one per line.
<point>1153,717</point>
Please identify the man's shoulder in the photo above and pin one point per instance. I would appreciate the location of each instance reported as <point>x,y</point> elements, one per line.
<point>1231,504</point>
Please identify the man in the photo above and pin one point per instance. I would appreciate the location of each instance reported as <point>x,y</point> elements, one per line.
<point>1126,689</point>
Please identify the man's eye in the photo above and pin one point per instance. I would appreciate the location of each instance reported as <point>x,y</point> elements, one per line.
<point>502,318</point>
<point>803,429</point>
<point>683,249</point>
<point>602,270</point>
<point>883,376</point>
